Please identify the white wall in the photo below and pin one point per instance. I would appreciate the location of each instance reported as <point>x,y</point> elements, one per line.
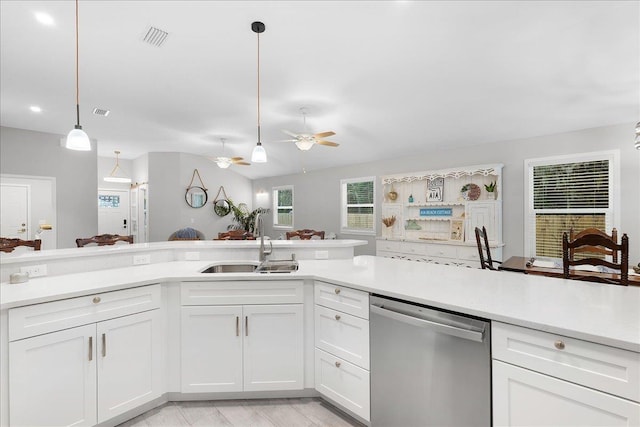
<point>24,152</point>
<point>317,193</point>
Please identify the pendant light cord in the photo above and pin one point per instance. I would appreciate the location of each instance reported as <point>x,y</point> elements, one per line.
<point>77,70</point>
<point>259,88</point>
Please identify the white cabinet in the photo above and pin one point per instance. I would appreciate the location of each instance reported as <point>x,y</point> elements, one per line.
<point>249,347</point>
<point>542,379</point>
<point>342,347</point>
<point>85,374</point>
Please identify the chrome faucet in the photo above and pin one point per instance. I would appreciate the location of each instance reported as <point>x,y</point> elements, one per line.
<point>260,227</point>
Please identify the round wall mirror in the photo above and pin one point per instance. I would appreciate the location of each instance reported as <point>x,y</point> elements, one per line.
<point>221,207</point>
<point>196,197</point>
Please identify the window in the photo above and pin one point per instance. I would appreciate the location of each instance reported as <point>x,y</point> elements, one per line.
<point>358,208</point>
<point>580,191</point>
<point>283,206</point>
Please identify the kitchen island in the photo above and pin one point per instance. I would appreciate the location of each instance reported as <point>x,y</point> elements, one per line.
<point>603,316</point>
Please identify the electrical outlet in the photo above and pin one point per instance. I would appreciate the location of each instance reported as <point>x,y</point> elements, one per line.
<point>35,270</point>
<point>322,254</point>
<point>142,259</point>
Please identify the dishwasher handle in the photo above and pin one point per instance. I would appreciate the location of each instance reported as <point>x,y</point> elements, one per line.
<point>477,336</point>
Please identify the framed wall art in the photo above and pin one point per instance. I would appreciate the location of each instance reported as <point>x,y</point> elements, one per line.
<point>435,190</point>
<point>457,230</point>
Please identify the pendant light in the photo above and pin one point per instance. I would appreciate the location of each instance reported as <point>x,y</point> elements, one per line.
<point>116,174</point>
<point>259,154</point>
<point>77,139</point>
<point>638,136</point>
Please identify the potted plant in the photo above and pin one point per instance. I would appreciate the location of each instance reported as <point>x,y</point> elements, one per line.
<point>244,219</point>
<point>491,190</point>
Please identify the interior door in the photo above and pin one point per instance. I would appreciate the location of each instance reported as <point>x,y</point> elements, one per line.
<point>113,212</point>
<point>14,211</point>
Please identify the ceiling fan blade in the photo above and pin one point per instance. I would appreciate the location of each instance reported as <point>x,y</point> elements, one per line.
<point>324,134</point>
<point>287,140</point>
<point>327,143</point>
<point>242,163</point>
<point>295,135</point>
<point>236,159</point>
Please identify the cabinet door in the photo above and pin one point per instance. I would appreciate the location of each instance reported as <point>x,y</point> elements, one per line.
<point>482,214</point>
<point>129,362</point>
<point>52,379</point>
<point>273,347</point>
<point>524,397</point>
<point>211,348</point>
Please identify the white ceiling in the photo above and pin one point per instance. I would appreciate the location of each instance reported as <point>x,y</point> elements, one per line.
<point>391,78</point>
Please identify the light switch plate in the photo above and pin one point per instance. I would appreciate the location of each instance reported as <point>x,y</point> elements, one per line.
<point>142,259</point>
<point>35,270</point>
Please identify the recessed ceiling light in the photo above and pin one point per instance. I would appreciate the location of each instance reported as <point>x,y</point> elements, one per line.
<point>35,109</point>
<point>45,19</point>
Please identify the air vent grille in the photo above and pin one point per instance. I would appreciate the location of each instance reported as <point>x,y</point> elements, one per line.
<point>101,112</point>
<point>155,36</point>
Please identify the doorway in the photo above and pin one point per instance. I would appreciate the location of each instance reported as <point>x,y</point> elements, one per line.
<point>14,211</point>
<point>113,211</point>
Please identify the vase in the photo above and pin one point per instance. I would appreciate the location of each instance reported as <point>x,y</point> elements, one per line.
<point>491,195</point>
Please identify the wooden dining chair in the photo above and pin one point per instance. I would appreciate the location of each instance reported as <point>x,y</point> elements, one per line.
<point>103,239</point>
<point>304,234</point>
<point>599,250</point>
<point>236,235</point>
<point>590,241</point>
<point>9,244</point>
<point>486,262</point>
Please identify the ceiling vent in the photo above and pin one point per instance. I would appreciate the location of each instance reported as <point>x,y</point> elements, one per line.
<point>101,112</point>
<point>155,36</point>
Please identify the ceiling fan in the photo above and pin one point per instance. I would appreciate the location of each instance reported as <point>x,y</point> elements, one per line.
<point>304,141</point>
<point>225,162</point>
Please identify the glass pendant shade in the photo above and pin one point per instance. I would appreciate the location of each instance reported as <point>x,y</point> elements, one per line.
<point>78,140</point>
<point>638,136</point>
<point>259,154</point>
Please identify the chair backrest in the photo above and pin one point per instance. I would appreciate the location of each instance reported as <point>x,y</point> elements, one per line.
<point>486,262</point>
<point>236,235</point>
<point>103,239</point>
<point>594,241</point>
<point>187,233</point>
<point>594,249</point>
<point>8,244</point>
<point>305,234</point>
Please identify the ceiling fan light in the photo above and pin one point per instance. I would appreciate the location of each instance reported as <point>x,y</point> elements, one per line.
<point>78,140</point>
<point>259,154</point>
<point>637,142</point>
<point>304,145</point>
<point>223,163</point>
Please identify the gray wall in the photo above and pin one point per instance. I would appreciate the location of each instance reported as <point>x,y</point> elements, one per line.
<point>24,152</point>
<point>169,177</point>
<point>317,193</point>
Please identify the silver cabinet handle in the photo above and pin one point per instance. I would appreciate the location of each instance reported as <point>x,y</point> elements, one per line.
<point>338,317</point>
<point>104,345</point>
<point>246,326</point>
<point>90,349</point>
<point>96,300</point>
<point>338,364</point>
<point>337,291</point>
<point>559,345</point>
<point>237,326</point>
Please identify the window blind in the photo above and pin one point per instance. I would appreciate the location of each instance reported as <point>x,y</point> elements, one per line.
<point>283,200</point>
<point>358,211</point>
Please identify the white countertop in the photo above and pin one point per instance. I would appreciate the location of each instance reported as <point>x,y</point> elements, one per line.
<point>605,314</point>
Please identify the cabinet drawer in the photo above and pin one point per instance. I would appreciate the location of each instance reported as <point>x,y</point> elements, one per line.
<point>604,368</point>
<point>242,292</point>
<point>388,245</point>
<point>470,254</point>
<point>414,248</point>
<point>342,335</point>
<point>342,299</point>
<point>47,317</point>
<point>343,383</point>
<point>442,251</point>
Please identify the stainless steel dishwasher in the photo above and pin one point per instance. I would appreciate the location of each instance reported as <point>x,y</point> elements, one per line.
<point>428,367</point>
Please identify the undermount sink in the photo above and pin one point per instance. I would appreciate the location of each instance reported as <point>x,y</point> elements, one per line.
<point>268,266</point>
<point>231,268</point>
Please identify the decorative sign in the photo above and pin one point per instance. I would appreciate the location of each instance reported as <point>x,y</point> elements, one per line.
<point>435,189</point>
<point>436,211</point>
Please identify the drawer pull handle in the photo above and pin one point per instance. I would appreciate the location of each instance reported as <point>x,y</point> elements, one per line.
<point>104,345</point>
<point>96,300</point>
<point>237,326</point>
<point>337,291</point>
<point>338,364</point>
<point>559,345</point>
<point>337,317</point>
<point>246,326</point>
<point>90,349</point>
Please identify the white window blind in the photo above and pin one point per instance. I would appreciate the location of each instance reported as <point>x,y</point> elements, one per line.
<point>283,206</point>
<point>566,195</point>
<point>358,207</point>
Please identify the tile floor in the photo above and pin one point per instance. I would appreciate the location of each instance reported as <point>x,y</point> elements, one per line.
<point>303,412</point>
